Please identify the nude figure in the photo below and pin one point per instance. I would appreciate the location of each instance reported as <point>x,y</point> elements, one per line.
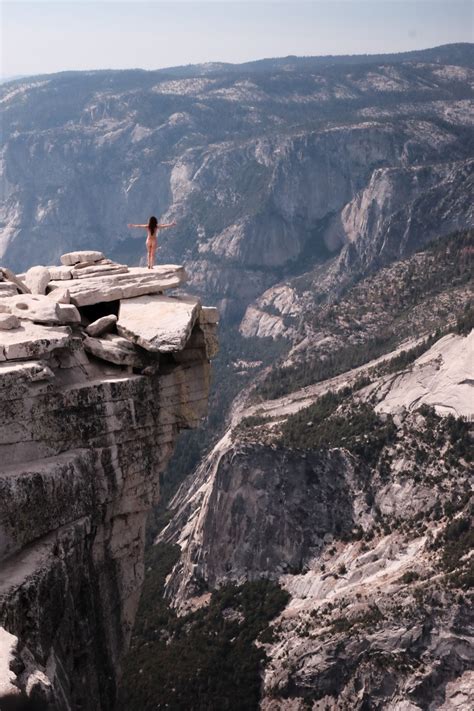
<point>151,238</point>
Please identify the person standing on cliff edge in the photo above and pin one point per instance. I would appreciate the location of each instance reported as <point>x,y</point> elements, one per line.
<point>151,238</point>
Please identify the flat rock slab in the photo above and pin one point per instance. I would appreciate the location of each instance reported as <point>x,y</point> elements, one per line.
<point>41,309</point>
<point>60,273</point>
<point>8,649</point>
<point>113,349</point>
<point>99,270</point>
<point>158,323</point>
<point>443,378</point>
<point>71,258</point>
<point>136,282</point>
<point>31,340</point>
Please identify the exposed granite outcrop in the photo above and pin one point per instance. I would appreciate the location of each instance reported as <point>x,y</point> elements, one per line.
<point>83,442</point>
<point>243,523</point>
<point>374,553</point>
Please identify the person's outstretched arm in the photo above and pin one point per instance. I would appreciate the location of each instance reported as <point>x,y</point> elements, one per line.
<point>170,224</point>
<point>130,225</point>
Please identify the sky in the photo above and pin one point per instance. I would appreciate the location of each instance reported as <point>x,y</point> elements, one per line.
<point>42,37</point>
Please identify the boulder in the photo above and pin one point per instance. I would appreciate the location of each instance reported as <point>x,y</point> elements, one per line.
<point>71,258</point>
<point>37,279</point>
<point>102,325</point>
<point>113,349</point>
<point>8,321</point>
<point>158,323</point>
<point>31,341</point>
<point>136,282</point>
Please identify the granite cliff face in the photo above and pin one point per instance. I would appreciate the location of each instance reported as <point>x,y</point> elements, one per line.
<point>344,475</point>
<point>89,419</point>
<point>356,498</point>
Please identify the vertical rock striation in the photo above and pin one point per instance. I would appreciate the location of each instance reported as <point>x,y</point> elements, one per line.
<point>83,443</point>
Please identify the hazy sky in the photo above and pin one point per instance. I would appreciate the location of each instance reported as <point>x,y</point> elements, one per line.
<point>40,36</point>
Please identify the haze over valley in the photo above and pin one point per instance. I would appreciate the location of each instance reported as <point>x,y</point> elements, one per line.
<point>310,540</point>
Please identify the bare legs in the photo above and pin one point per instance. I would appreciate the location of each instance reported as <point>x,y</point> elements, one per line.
<point>151,251</point>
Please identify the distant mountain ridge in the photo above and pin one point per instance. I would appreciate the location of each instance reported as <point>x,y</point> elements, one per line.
<point>257,167</point>
<point>461,53</point>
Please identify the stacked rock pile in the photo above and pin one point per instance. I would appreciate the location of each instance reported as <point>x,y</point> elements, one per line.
<point>134,321</point>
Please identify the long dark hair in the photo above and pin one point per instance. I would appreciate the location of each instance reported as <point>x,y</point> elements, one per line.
<point>152,224</point>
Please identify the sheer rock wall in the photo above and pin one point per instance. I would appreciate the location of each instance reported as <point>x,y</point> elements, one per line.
<point>83,443</point>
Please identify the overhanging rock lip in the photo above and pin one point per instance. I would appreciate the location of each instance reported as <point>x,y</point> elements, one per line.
<point>158,323</point>
<point>137,281</point>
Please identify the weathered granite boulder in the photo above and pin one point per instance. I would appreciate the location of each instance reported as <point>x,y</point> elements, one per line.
<point>37,279</point>
<point>158,323</point>
<point>136,282</point>
<point>102,325</point>
<point>68,313</point>
<point>114,349</point>
<point>72,258</point>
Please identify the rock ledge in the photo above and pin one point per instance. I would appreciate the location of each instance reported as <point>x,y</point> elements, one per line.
<point>93,394</point>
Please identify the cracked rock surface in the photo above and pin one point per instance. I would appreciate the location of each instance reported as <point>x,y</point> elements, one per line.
<point>84,437</point>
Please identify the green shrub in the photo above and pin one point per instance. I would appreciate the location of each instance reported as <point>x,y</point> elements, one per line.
<point>205,660</point>
<point>359,429</point>
<point>409,577</point>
